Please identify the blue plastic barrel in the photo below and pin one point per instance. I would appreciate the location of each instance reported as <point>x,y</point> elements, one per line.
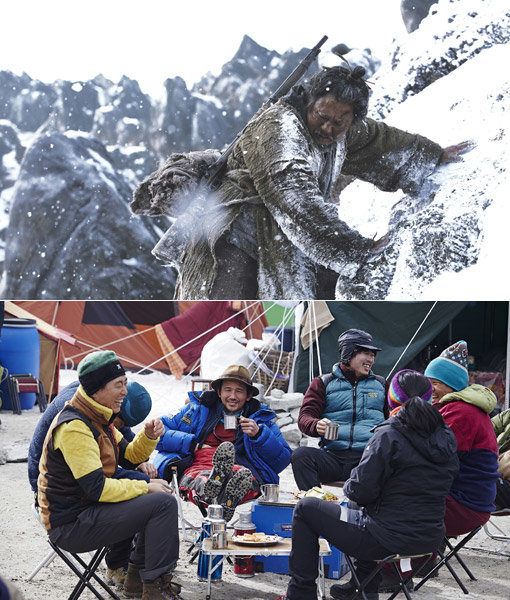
<point>285,335</point>
<point>19,354</point>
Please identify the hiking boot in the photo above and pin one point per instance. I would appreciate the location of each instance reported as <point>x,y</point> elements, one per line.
<point>341,588</point>
<point>133,586</point>
<point>116,577</point>
<point>392,584</point>
<point>223,463</point>
<point>162,588</point>
<point>235,490</point>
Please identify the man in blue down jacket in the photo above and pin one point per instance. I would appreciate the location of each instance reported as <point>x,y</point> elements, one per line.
<point>217,462</point>
<point>352,396</point>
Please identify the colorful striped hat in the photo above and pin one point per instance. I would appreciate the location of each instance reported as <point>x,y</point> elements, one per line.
<point>451,366</point>
<point>407,384</point>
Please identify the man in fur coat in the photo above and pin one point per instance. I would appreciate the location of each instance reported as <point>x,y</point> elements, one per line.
<point>270,230</point>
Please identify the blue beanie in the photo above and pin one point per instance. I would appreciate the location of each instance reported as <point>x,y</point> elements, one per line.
<point>136,405</point>
<point>451,366</point>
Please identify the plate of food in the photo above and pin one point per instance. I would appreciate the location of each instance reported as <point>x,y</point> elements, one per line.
<point>316,492</point>
<point>256,539</point>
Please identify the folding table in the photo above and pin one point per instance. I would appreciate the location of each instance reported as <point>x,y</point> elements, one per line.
<point>283,548</point>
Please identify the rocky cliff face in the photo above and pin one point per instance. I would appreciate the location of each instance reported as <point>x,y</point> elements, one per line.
<point>71,154</point>
<point>70,232</point>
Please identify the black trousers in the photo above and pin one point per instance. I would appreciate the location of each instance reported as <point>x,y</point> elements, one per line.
<point>313,466</point>
<point>502,493</point>
<point>152,516</point>
<point>314,518</point>
<point>118,554</point>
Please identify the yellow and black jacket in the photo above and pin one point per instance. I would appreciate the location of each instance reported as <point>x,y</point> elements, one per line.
<point>79,463</point>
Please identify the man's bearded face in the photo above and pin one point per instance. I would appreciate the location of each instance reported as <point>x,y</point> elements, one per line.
<point>329,120</point>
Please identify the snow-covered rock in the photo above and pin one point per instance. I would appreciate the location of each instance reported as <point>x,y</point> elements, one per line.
<point>457,220</point>
<point>71,234</point>
<point>454,32</point>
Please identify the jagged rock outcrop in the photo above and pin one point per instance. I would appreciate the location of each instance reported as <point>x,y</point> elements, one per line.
<point>71,234</point>
<point>126,118</point>
<point>11,153</point>
<point>32,106</point>
<point>176,124</point>
<point>414,11</point>
<point>454,32</point>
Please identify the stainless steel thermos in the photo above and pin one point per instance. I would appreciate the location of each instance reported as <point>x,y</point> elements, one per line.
<point>214,526</point>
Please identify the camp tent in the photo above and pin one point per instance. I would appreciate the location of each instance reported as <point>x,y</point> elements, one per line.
<point>146,334</point>
<point>51,340</point>
<point>409,333</point>
<point>98,325</point>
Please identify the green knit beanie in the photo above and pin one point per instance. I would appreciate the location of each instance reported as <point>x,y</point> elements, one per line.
<point>97,369</point>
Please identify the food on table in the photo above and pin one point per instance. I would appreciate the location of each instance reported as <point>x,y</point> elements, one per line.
<point>316,492</point>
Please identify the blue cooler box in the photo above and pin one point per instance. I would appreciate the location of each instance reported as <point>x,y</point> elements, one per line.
<point>277,519</point>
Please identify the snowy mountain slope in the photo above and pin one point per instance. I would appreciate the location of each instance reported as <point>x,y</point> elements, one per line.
<point>454,32</point>
<point>457,219</point>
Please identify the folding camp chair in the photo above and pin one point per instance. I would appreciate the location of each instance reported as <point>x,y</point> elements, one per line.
<point>86,572</point>
<point>396,561</point>
<point>185,524</point>
<point>48,559</point>
<point>25,384</point>
<point>445,558</point>
<point>83,570</point>
<point>494,532</point>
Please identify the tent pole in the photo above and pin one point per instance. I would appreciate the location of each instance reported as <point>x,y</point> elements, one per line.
<point>507,382</point>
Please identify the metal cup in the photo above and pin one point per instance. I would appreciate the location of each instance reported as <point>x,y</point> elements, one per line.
<point>219,540</point>
<point>270,492</point>
<point>230,421</point>
<point>331,432</point>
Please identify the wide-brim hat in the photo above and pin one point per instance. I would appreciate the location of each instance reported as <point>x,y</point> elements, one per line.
<point>236,373</point>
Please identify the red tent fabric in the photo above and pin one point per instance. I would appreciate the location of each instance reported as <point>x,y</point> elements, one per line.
<point>183,337</point>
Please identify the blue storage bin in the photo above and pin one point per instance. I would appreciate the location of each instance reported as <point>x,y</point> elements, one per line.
<point>19,354</point>
<point>277,520</point>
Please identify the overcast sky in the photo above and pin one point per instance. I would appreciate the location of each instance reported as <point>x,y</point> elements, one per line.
<point>152,40</point>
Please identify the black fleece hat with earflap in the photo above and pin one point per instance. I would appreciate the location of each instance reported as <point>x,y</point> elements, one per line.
<point>351,340</point>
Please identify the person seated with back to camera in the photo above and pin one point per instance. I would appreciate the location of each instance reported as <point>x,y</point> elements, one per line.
<point>221,465</point>
<point>135,408</point>
<point>351,395</point>
<point>396,494</point>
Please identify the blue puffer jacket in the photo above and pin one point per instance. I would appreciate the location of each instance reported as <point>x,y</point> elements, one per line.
<point>357,408</point>
<point>265,456</point>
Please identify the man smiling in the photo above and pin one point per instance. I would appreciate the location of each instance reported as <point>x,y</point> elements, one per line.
<point>219,462</point>
<point>352,396</point>
<point>87,500</point>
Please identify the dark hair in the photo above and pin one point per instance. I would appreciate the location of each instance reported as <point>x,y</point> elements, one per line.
<point>413,383</point>
<point>346,85</point>
<point>420,416</point>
